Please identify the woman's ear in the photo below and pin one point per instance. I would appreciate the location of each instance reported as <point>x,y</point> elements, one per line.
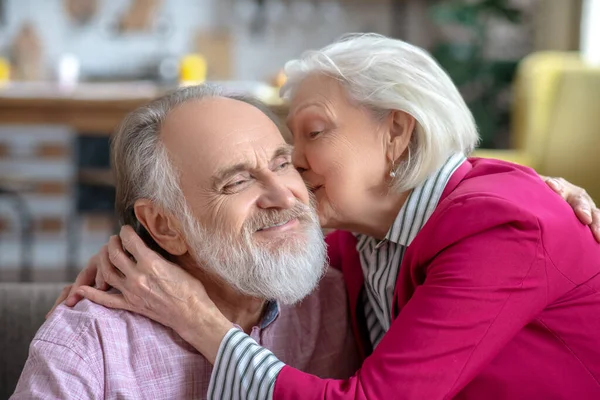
<point>163,227</point>
<point>402,126</point>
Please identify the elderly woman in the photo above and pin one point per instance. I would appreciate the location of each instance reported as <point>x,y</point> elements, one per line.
<point>467,277</point>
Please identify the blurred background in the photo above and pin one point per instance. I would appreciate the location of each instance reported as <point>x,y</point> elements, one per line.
<point>71,69</point>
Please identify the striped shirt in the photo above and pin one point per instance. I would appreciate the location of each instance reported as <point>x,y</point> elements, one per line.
<point>380,260</point>
<point>242,363</point>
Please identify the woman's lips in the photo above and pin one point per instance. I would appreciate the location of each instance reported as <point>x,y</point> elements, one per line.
<point>316,188</point>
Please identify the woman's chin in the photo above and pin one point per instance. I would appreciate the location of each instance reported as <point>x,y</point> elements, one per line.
<point>323,220</point>
<point>326,222</point>
<point>326,216</point>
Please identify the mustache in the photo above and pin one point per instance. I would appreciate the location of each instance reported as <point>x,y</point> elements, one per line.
<point>265,218</point>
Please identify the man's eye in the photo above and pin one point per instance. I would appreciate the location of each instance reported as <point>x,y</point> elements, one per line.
<point>235,185</point>
<point>284,165</point>
<point>314,134</point>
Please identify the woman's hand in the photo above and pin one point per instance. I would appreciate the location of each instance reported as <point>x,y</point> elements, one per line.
<point>158,289</point>
<point>90,275</point>
<point>582,203</point>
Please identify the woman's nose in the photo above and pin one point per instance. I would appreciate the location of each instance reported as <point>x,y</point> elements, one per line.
<point>299,158</point>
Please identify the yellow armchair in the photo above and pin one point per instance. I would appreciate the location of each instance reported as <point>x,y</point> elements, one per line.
<point>556,119</point>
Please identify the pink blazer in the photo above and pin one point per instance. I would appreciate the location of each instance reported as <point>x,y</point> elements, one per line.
<point>498,297</point>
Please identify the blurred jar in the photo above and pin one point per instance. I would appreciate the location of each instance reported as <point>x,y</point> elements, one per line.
<point>68,70</point>
<point>192,70</point>
<point>168,71</point>
<point>4,71</point>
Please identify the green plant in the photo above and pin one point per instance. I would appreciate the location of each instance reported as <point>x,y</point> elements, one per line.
<point>481,81</point>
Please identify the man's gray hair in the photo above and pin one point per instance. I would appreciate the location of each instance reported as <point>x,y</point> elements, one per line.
<point>140,160</point>
<point>383,75</point>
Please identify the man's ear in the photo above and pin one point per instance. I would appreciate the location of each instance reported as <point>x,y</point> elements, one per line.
<point>401,128</point>
<point>161,226</point>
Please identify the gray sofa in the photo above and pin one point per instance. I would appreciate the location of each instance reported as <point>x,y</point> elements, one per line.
<point>23,307</point>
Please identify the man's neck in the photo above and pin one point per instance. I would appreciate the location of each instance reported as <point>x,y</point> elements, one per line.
<point>242,310</point>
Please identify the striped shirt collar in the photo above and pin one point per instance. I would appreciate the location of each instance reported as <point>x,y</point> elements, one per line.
<point>415,212</point>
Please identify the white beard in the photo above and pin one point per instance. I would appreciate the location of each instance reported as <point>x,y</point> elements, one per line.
<point>286,269</point>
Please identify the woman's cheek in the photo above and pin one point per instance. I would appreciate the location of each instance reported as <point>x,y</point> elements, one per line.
<point>314,156</point>
<point>324,153</point>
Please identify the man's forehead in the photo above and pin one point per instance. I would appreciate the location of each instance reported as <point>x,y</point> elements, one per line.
<point>222,165</point>
<point>213,117</point>
<point>212,133</point>
<point>252,154</point>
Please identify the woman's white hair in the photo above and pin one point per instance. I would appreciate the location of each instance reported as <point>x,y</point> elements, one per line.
<point>386,74</point>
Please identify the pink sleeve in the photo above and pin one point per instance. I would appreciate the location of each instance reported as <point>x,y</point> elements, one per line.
<point>479,291</point>
<point>54,371</point>
<point>333,249</point>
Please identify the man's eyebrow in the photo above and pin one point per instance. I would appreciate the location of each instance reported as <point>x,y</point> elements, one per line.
<point>283,150</point>
<point>224,173</point>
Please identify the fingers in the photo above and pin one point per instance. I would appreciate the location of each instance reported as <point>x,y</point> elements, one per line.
<point>578,199</point>
<point>118,257</point>
<point>85,277</point>
<point>100,283</point>
<point>133,243</point>
<point>596,224</point>
<point>110,300</point>
<point>63,295</point>
<point>557,184</point>
<point>73,298</point>
<point>582,204</point>
<point>110,275</point>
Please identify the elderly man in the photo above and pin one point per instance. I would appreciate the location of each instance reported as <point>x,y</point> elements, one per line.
<point>205,179</point>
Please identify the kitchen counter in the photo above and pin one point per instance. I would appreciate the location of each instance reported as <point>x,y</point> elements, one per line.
<point>91,112</point>
<point>90,109</point>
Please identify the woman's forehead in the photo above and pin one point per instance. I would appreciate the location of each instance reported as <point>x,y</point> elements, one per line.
<point>316,91</point>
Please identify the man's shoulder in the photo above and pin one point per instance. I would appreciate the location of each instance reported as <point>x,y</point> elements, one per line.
<point>113,353</point>
<point>84,325</point>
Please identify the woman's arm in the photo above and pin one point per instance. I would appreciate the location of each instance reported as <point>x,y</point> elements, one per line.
<point>578,199</point>
<point>456,322</point>
<point>478,294</point>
